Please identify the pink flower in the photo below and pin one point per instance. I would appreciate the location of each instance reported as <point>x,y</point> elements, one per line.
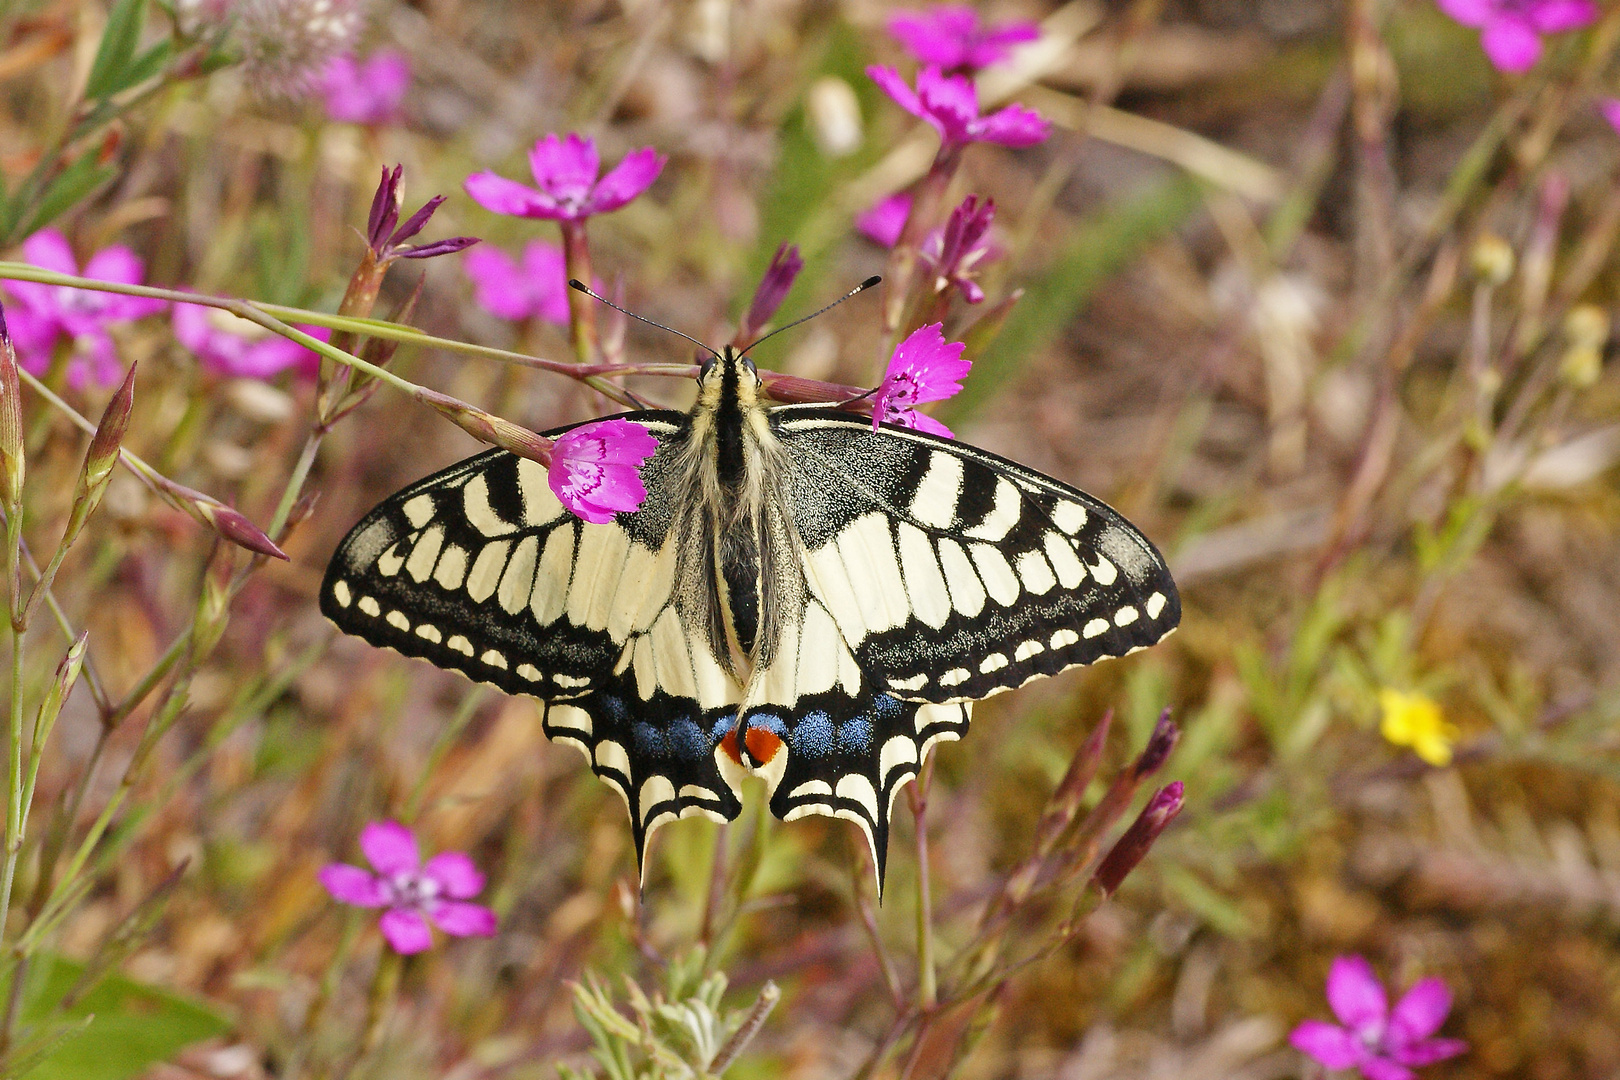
<point>1383,1045</point>
<point>565,170</point>
<point>924,367</point>
<point>951,105</point>
<point>595,468</point>
<point>884,223</point>
<point>952,37</point>
<point>228,345</point>
<point>366,91</point>
<point>536,288</point>
<point>43,313</point>
<point>953,254</point>
<point>412,893</point>
<point>1510,30</point>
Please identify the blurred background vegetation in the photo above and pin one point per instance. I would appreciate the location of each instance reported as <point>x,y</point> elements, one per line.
<point>1259,314</point>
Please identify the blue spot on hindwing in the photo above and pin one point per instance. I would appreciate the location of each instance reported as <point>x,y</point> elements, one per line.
<point>813,735</point>
<point>855,736</point>
<point>649,741</point>
<point>687,740</point>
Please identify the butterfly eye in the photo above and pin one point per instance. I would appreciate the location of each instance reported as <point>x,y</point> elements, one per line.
<point>708,366</point>
<point>748,365</point>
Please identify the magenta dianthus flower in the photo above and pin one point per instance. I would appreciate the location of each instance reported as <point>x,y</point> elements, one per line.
<point>1382,1044</point>
<point>366,91</point>
<point>229,345</point>
<point>924,367</point>
<point>43,313</point>
<point>952,37</point>
<point>595,469</point>
<point>565,170</point>
<point>535,288</point>
<point>954,253</point>
<point>412,893</point>
<point>773,289</point>
<point>1510,30</point>
<point>950,104</point>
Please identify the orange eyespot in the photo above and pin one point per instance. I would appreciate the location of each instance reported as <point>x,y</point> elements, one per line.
<point>728,743</point>
<point>762,744</point>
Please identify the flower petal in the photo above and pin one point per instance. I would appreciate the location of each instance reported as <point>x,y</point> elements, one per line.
<point>463,920</point>
<point>1556,16</point>
<point>1474,13</point>
<point>1610,108</point>
<point>1329,1044</point>
<point>547,273</point>
<point>941,35</point>
<point>49,250</point>
<point>500,286</point>
<point>1511,43</point>
<point>1356,996</point>
<point>504,196</point>
<point>1420,1012</point>
<point>1429,1051</point>
<point>351,885</point>
<point>890,82</point>
<point>595,469</point>
<point>565,168</point>
<point>455,873</point>
<point>390,847</point>
<point>626,180</point>
<point>1013,126</point>
<point>886,220</point>
<point>407,932</point>
<point>1377,1068</point>
<point>921,421</point>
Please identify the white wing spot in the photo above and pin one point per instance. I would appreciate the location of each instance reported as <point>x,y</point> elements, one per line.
<point>819,788</point>
<point>513,592</point>
<point>697,791</point>
<point>551,580</point>
<point>1063,639</point>
<point>419,510</point>
<point>452,568</point>
<point>1104,571</point>
<point>955,677</point>
<point>425,554</point>
<point>1028,649</point>
<point>934,503</point>
<point>999,579</point>
<point>655,790</point>
<point>530,672</point>
<point>540,505</point>
<point>899,751</point>
<point>925,585</point>
<point>571,717</point>
<point>1000,520</point>
<point>460,645</point>
<point>1095,627</point>
<point>389,562</point>
<point>1036,573</point>
<point>569,682</point>
<point>967,591</point>
<point>370,606</point>
<point>486,570</point>
<point>859,789</point>
<point>1155,604</point>
<point>1069,516</point>
<point>916,682</point>
<point>994,662</point>
<point>1061,554</point>
<point>1125,616</point>
<point>610,755</point>
<point>494,659</point>
<point>397,620</point>
<point>481,515</point>
<point>429,633</point>
<point>340,593</point>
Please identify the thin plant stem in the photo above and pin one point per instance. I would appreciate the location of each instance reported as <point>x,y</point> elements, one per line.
<point>927,979</point>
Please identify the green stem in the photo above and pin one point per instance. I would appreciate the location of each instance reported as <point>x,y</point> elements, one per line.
<point>927,979</point>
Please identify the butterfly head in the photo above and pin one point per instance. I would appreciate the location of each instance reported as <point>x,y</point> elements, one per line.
<point>728,377</point>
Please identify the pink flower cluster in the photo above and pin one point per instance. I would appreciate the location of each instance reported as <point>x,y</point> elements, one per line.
<point>566,177</point>
<point>950,105</point>
<point>1510,31</point>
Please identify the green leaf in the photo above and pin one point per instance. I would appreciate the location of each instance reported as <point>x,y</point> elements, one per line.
<point>110,72</point>
<point>1103,244</point>
<point>72,184</point>
<point>117,1030</point>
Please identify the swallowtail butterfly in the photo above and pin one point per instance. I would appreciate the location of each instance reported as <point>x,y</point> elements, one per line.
<point>801,597</point>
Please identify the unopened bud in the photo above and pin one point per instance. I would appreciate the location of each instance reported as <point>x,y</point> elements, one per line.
<point>11,431</point>
<point>229,523</point>
<point>773,289</point>
<point>489,428</point>
<point>1492,259</point>
<point>1163,740</point>
<point>1134,844</point>
<point>102,456</point>
<point>213,607</point>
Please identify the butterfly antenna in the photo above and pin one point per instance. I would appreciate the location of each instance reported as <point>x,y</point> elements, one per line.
<point>575,283</point>
<point>862,287</point>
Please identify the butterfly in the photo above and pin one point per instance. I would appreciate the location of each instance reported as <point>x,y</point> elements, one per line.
<point>802,596</point>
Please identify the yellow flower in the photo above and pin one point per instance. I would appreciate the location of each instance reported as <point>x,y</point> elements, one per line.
<point>1416,721</point>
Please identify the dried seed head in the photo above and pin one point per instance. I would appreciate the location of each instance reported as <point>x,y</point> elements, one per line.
<point>287,44</point>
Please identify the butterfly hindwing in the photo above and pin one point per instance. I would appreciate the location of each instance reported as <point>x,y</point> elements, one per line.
<point>481,570</point>
<point>954,574</point>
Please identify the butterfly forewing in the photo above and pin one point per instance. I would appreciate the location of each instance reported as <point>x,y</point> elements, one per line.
<point>953,574</point>
<point>480,569</point>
